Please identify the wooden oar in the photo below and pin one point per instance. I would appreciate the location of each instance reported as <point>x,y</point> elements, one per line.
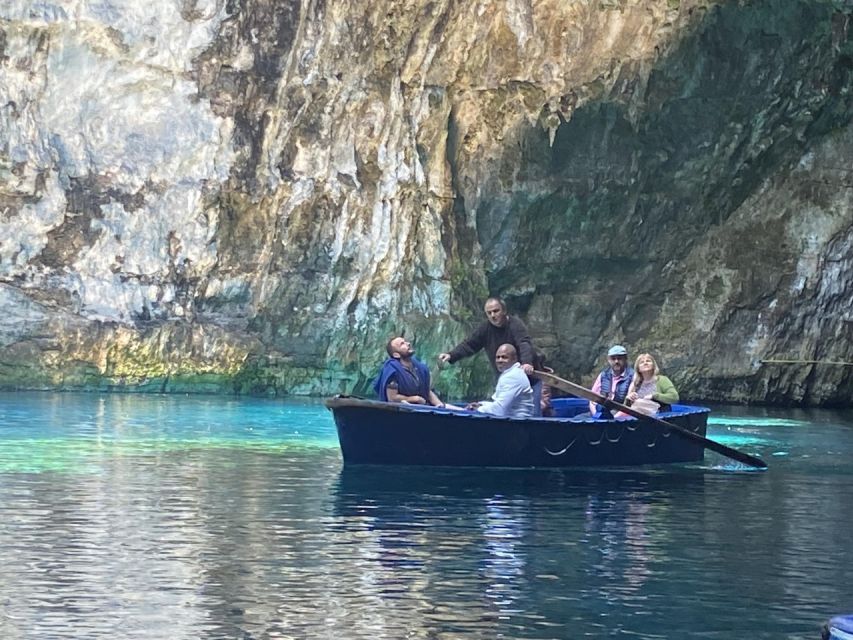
<point>583,392</point>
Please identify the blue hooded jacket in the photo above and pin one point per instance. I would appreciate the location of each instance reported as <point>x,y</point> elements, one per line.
<point>408,384</point>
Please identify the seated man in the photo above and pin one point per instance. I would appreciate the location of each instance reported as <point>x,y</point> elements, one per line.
<point>404,378</point>
<point>513,397</point>
<point>613,381</point>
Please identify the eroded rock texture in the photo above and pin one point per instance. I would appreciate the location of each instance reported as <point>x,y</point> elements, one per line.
<point>253,196</point>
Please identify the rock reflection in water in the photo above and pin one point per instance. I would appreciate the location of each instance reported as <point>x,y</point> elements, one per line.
<point>131,517</point>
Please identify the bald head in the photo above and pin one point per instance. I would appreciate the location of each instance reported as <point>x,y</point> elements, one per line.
<point>505,357</point>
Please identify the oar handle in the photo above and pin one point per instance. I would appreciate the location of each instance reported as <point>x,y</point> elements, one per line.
<point>583,392</point>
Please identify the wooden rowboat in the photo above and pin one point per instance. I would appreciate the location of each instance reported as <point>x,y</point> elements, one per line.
<point>372,432</point>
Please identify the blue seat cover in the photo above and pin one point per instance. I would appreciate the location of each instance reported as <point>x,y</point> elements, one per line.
<point>841,628</point>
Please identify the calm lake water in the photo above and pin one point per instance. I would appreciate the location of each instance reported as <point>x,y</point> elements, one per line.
<point>125,516</point>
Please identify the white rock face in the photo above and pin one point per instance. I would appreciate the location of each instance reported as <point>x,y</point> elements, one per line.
<point>20,315</point>
<point>101,91</point>
<point>203,187</point>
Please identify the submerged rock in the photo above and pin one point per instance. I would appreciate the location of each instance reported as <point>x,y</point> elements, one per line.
<point>253,196</point>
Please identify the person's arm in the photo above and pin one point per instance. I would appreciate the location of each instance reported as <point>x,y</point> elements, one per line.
<point>632,391</point>
<point>521,337</point>
<point>545,406</point>
<point>506,392</point>
<point>596,388</point>
<point>394,395</point>
<point>499,403</point>
<point>434,400</point>
<point>469,346</point>
<point>666,393</point>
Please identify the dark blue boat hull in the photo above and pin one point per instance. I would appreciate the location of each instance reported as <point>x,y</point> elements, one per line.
<point>383,433</point>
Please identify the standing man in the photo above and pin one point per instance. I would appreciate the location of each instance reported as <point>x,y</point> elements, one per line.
<point>499,328</point>
<point>613,381</point>
<point>502,328</point>
<point>513,397</point>
<point>404,378</point>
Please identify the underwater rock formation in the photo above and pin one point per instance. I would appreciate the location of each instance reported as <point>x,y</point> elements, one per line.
<point>252,196</point>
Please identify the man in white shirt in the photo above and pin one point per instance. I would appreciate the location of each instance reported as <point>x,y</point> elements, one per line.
<point>513,397</point>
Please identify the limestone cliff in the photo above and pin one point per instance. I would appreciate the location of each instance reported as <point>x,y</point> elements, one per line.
<point>251,196</point>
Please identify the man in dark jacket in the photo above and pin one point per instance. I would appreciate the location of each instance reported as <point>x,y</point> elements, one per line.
<point>499,328</point>
<point>502,328</point>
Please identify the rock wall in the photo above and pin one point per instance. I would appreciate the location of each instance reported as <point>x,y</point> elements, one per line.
<point>252,196</point>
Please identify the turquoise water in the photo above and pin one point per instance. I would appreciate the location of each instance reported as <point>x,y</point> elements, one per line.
<point>125,516</point>
<point>77,433</point>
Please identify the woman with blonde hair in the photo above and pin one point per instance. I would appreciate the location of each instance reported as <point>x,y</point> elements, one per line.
<point>650,387</point>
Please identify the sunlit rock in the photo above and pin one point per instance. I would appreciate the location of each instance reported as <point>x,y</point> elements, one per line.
<point>255,196</point>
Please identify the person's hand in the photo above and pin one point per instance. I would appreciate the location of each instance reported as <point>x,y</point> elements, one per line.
<point>528,369</point>
<point>472,406</point>
<point>633,396</point>
<point>443,358</point>
<point>417,400</point>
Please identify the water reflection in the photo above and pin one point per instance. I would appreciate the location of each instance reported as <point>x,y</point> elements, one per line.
<point>505,527</point>
<point>537,532</point>
<point>155,520</point>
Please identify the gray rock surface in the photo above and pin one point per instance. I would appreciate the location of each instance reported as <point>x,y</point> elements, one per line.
<point>253,196</point>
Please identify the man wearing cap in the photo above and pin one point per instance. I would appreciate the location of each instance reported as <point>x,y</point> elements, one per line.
<point>613,381</point>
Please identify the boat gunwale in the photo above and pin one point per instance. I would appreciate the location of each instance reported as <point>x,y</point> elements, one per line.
<point>343,401</point>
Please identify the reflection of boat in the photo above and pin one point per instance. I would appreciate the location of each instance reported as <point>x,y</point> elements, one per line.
<point>373,432</point>
<point>390,486</point>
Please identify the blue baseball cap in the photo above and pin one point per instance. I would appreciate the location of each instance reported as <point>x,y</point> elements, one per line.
<point>617,350</point>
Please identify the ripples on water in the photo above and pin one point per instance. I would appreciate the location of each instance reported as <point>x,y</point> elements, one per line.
<point>192,517</point>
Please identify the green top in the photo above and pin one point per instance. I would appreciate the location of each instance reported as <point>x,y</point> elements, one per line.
<point>666,392</point>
